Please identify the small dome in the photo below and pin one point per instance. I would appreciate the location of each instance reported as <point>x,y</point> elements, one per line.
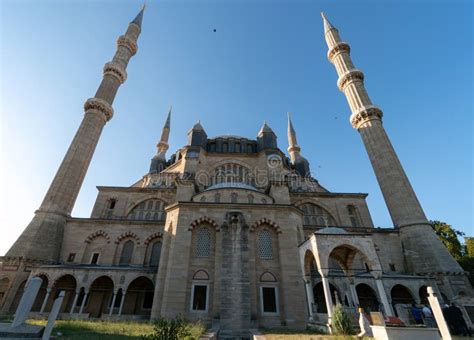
<point>331,230</point>
<point>231,185</point>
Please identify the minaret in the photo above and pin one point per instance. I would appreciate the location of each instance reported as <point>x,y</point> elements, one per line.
<point>425,253</point>
<point>158,162</point>
<point>41,240</point>
<point>300,163</point>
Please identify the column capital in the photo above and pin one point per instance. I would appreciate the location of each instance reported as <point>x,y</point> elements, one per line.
<point>100,105</point>
<point>365,114</point>
<point>323,272</point>
<point>116,70</point>
<point>376,274</point>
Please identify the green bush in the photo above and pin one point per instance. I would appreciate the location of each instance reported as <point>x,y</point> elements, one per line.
<point>170,329</point>
<point>341,322</point>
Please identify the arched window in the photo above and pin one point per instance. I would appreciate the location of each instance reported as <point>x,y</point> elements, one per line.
<point>110,207</point>
<point>353,216</point>
<point>233,197</point>
<point>203,242</point>
<point>155,254</point>
<point>127,252</point>
<point>217,198</point>
<point>265,247</point>
<point>314,215</point>
<point>250,198</point>
<point>152,210</point>
<point>231,173</point>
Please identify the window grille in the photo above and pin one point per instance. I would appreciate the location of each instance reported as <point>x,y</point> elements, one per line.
<point>151,210</point>
<point>265,247</point>
<point>317,216</point>
<point>127,252</point>
<point>203,244</point>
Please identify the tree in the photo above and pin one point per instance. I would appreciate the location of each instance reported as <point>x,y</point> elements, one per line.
<point>449,236</point>
<point>469,247</point>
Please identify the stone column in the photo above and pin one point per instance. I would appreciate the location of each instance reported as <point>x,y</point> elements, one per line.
<point>327,292</point>
<point>86,293</point>
<point>383,295</point>
<point>74,302</point>
<point>124,294</point>
<point>310,297</point>
<point>45,301</point>
<point>353,290</point>
<point>113,303</point>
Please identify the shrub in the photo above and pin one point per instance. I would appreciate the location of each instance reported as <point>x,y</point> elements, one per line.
<point>341,322</point>
<point>169,329</point>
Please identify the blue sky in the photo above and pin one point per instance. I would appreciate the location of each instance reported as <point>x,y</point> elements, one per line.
<point>265,58</point>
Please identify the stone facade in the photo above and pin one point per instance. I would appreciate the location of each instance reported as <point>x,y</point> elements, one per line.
<point>229,230</point>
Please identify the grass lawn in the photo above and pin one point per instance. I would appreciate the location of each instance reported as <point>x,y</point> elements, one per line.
<point>288,334</point>
<point>106,330</point>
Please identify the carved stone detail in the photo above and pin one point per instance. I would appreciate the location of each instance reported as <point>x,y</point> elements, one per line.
<point>204,219</point>
<point>116,70</point>
<point>365,114</point>
<point>128,43</point>
<point>127,234</point>
<point>100,105</point>
<point>98,233</point>
<point>338,48</point>
<point>348,77</point>
<point>268,222</point>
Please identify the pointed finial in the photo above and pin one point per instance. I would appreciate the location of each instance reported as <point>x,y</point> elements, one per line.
<point>327,25</point>
<point>291,132</point>
<point>265,128</point>
<point>139,18</point>
<point>168,119</point>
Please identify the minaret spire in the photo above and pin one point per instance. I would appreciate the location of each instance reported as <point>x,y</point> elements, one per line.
<point>300,163</point>
<point>158,162</point>
<point>292,143</point>
<point>425,252</point>
<point>42,239</point>
<point>327,25</point>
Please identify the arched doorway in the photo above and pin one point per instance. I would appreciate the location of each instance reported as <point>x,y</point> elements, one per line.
<point>139,297</point>
<point>401,295</point>
<point>100,296</point>
<point>66,283</point>
<point>367,298</point>
<point>320,300</point>
<point>4,283</point>
<point>17,298</point>
<point>423,293</point>
<point>41,294</point>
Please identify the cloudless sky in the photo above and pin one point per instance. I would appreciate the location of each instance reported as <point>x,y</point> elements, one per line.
<point>265,58</point>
